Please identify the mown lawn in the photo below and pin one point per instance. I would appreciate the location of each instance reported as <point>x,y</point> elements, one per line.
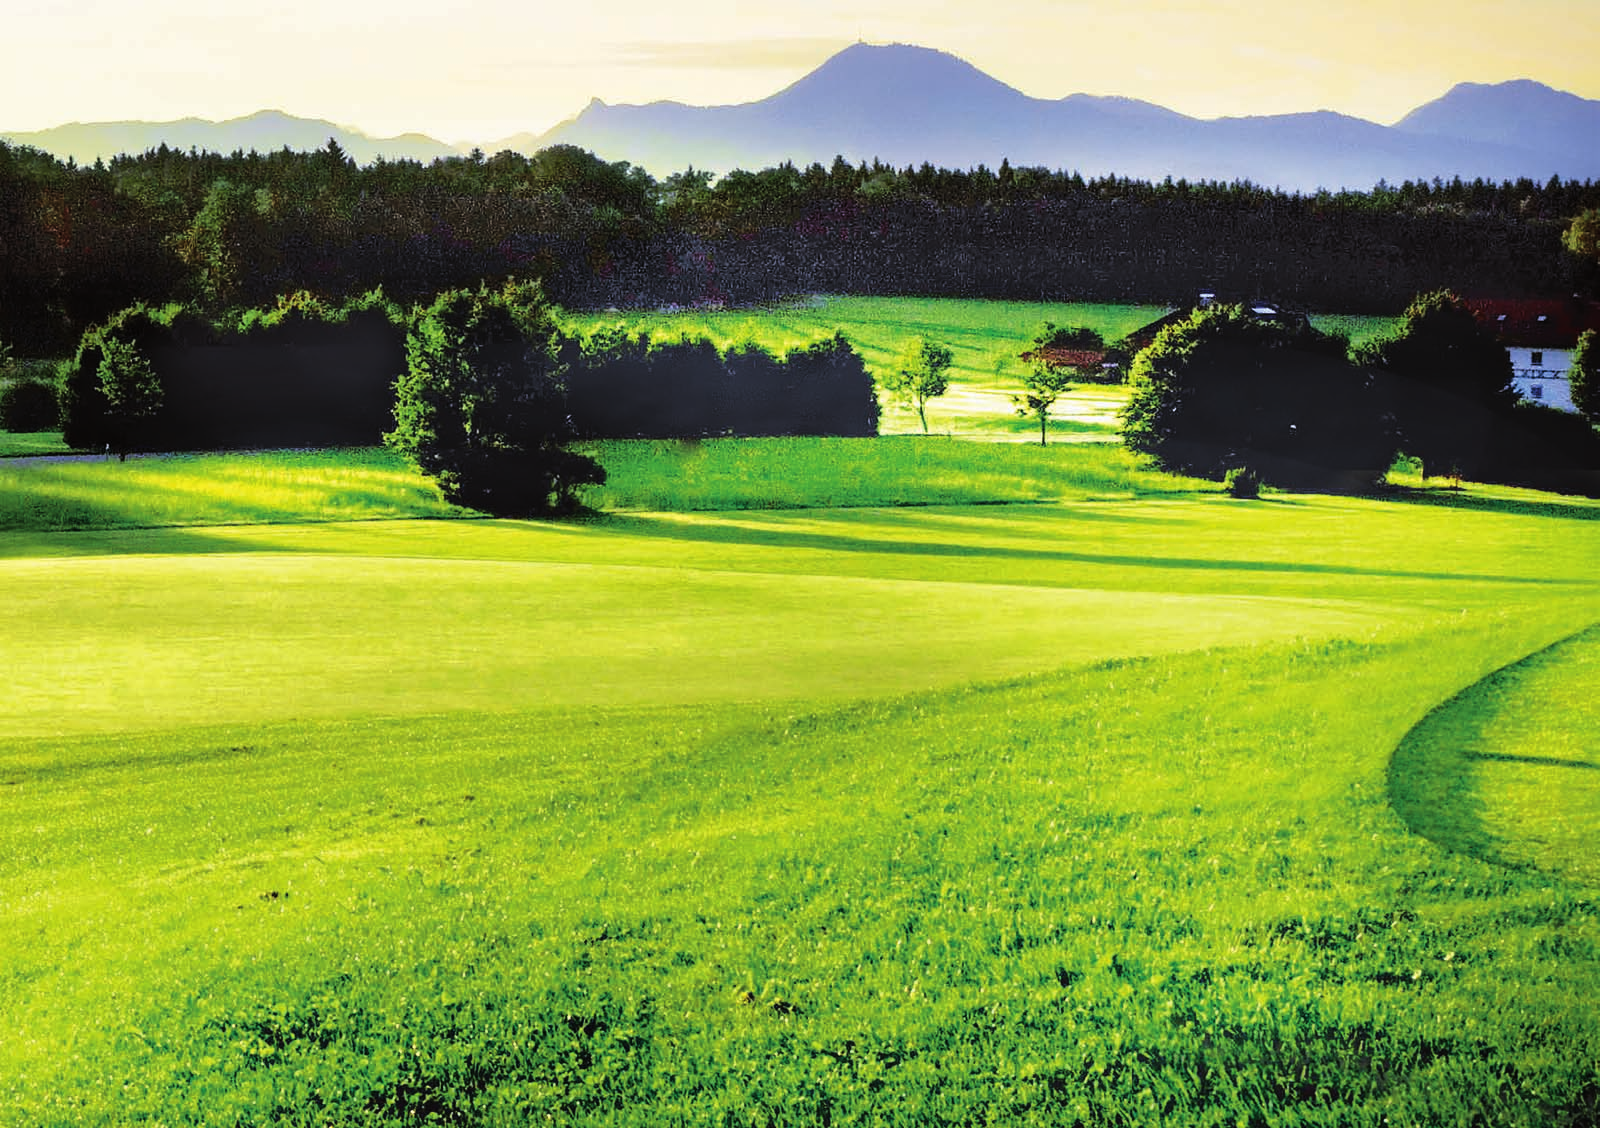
<point>1080,811</point>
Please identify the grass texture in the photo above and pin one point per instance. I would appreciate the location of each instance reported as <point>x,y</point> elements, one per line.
<point>1072,813</point>
<point>211,489</point>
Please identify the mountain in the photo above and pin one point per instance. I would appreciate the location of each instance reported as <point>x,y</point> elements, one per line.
<point>905,105</point>
<point>1522,113</point>
<point>264,132</point>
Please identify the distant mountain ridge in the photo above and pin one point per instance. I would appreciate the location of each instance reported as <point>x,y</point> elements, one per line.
<point>265,131</point>
<point>906,105</point>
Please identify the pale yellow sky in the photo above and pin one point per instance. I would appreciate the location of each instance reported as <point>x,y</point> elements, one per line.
<point>479,70</point>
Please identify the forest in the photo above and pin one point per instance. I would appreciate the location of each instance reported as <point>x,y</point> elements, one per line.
<point>78,243</point>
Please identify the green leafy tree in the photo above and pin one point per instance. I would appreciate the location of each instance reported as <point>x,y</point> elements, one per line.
<point>482,406</point>
<point>1584,373</point>
<point>921,373</point>
<point>133,395</point>
<point>220,239</point>
<point>1582,236</point>
<point>1448,381</point>
<point>1225,390</point>
<point>1041,388</point>
<point>1058,356</point>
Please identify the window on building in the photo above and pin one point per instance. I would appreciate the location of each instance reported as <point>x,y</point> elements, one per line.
<point>1537,358</point>
<point>1536,392</point>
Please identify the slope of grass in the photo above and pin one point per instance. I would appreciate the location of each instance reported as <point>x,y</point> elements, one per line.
<point>214,489</point>
<point>1059,813</point>
<point>1165,890</point>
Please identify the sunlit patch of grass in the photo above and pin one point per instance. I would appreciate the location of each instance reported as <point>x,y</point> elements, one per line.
<point>1359,328</point>
<point>215,489</point>
<point>1036,813</point>
<point>15,444</point>
<point>896,470</point>
<point>1161,890</point>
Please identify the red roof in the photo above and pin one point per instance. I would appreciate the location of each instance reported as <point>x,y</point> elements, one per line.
<point>1548,323</point>
<point>1141,338</point>
<point>1067,358</point>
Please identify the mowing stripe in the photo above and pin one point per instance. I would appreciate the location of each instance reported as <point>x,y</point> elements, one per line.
<point>1508,770</point>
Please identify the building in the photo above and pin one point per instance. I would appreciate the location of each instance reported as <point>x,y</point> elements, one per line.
<point>1540,334</point>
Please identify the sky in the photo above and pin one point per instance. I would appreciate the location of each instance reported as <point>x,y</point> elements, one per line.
<point>482,70</point>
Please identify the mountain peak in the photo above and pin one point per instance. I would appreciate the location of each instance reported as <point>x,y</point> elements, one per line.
<point>1520,113</point>
<point>878,71</point>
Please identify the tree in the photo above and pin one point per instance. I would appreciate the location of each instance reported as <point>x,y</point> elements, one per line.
<point>1582,236</point>
<point>1584,372</point>
<point>1225,390</point>
<point>1059,355</point>
<point>482,407</point>
<point>133,395</point>
<point>920,374</point>
<point>1042,387</point>
<point>220,240</point>
<point>1448,380</point>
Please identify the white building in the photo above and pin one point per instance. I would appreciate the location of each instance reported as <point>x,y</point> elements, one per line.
<point>1540,335</point>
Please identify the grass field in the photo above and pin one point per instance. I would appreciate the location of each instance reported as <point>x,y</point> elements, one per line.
<point>31,443</point>
<point>1130,805</point>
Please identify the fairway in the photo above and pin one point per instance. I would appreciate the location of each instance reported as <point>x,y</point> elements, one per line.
<point>1076,810</point>
<point>120,643</point>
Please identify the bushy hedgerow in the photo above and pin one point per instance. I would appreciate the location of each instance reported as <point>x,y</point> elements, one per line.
<point>302,373</point>
<point>623,385</point>
<point>89,418</point>
<point>30,405</point>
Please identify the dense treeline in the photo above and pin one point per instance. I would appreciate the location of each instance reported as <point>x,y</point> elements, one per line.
<point>303,372</point>
<point>78,243</point>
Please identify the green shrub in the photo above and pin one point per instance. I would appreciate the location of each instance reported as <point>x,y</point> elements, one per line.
<point>1242,482</point>
<point>30,405</point>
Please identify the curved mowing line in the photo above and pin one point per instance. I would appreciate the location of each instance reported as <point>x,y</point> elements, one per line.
<point>1435,774</point>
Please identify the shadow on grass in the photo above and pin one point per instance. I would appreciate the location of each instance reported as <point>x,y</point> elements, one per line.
<point>1465,499</point>
<point>16,544</point>
<point>747,534</point>
<point>1433,784</point>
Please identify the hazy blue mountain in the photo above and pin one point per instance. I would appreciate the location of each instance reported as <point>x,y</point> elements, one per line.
<point>1522,113</point>
<point>265,131</point>
<point>905,105</point>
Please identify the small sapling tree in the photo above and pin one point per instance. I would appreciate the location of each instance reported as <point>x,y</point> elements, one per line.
<point>921,373</point>
<point>1058,356</point>
<point>1041,388</point>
